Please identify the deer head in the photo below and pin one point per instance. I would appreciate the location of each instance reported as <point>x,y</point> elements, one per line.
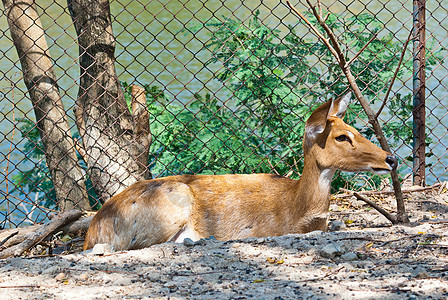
<point>334,145</point>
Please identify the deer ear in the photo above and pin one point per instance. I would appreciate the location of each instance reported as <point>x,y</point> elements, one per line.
<point>339,106</point>
<point>313,130</point>
<point>315,124</point>
<point>318,119</point>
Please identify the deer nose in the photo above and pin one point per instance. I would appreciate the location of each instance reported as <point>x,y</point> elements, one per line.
<point>392,161</point>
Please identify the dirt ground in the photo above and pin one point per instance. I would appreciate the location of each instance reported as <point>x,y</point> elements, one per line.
<point>368,259</point>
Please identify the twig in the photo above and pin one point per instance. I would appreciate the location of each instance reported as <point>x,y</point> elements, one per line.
<point>320,7</point>
<point>440,269</point>
<point>28,202</point>
<point>200,273</point>
<point>434,245</point>
<point>349,193</point>
<point>273,168</point>
<point>384,243</point>
<point>79,147</point>
<point>362,50</point>
<point>400,239</point>
<point>362,238</point>
<point>32,286</point>
<point>434,222</point>
<point>24,232</point>
<point>42,256</point>
<point>322,277</point>
<point>337,51</point>
<point>395,74</point>
<point>292,170</point>
<point>381,210</point>
<point>316,31</point>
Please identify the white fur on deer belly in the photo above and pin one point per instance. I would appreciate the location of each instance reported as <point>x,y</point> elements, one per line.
<point>186,232</point>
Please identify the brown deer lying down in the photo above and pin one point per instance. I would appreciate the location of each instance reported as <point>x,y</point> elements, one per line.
<point>239,206</point>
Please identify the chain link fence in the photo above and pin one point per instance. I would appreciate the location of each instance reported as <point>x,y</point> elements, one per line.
<point>228,87</point>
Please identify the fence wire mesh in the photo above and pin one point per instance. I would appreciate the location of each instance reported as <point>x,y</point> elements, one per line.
<point>228,86</point>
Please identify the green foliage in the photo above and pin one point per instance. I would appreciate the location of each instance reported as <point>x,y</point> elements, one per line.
<point>37,179</point>
<point>261,127</point>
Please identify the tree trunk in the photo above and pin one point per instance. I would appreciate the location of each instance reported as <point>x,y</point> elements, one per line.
<point>116,142</point>
<point>40,79</point>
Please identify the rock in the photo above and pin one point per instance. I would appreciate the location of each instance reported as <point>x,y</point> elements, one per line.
<point>201,242</point>
<point>101,249</point>
<point>332,250</point>
<point>60,277</point>
<point>261,240</point>
<point>313,252</point>
<point>347,266</point>
<point>420,273</point>
<point>337,225</point>
<point>307,259</point>
<point>84,277</point>
<point>188,242</point>
<point>18,262</point>
<point>51,270</point>
<point>349,256</point>
<point>334,207</point>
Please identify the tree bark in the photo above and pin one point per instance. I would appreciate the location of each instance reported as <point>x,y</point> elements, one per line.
<point>116,142</point>
<point>40,79</point>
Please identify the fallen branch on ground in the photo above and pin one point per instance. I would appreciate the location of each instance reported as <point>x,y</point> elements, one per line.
<point>11,237</point>
<point>34,237</point>
<point>8,237</point>
<point>381,210</point>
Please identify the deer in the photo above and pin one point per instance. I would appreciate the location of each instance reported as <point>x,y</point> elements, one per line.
<point>237,206</point>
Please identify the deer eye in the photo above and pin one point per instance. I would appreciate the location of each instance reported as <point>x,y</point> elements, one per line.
<point>343,138</point>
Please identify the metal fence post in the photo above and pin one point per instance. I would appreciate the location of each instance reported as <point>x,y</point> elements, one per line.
<point>419,92</point>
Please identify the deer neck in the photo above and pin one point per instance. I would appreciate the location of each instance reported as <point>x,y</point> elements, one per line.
<point>314,186</point>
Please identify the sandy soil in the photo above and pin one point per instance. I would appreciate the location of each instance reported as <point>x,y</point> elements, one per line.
<point>366,260</point>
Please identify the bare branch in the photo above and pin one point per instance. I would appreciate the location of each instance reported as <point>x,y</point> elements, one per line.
<point>381,210</point>
<point>320,7</point>
<point>395,74</point>
<point>339,55</point>
<point>316,31</point>
<point>362,50</point>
